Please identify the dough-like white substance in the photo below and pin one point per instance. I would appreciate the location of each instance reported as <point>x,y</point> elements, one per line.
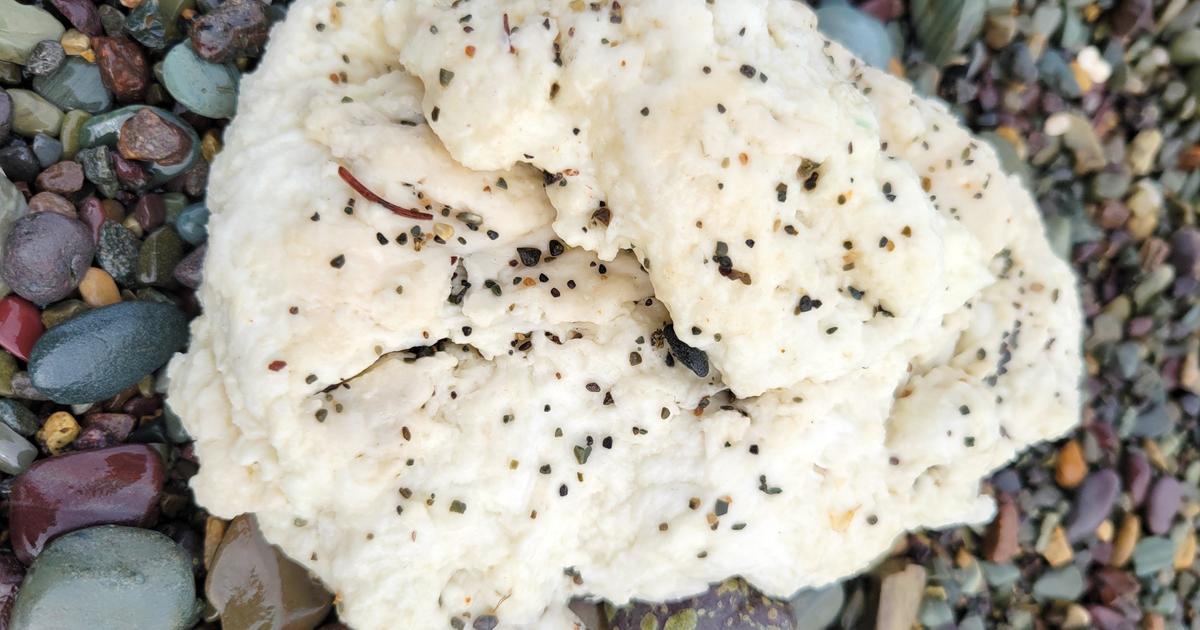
<point>546,447</point>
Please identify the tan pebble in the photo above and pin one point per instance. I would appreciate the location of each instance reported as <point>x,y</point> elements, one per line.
<point>98,288</point>
<point>1077,617</point>
<point>1058,551</point>
<point>1155,455</point>
<point>1071,467</point>
<point>1185,555</point>
<point>443,231</point>
<point>58,432</point>
<point>1081,77</point>
<point>1127,538</point>
<point>132,225</point>
<point>1105,531</point>
<point>75,43</point>
<point>210,145</point>
<point>214,531</point>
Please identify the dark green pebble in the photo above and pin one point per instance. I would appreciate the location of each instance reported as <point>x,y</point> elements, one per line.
<point>60,312</point>
<point>101,352</point>
<point>98,168</point>
<point>18,417</point>
<point>108,578</point>
<point>161,252</point>
<point>117,252</point>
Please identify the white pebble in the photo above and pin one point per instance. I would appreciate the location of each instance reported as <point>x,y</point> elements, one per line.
<point>1057,124</point>
<point>1097,69</point>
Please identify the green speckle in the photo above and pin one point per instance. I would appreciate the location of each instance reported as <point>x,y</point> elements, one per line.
<point>683,620</point>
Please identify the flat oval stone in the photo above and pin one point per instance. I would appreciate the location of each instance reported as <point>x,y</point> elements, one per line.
<point>21,27</point>
<point>1092,503</point>
<point>1162,504</point>
<point>16,453</point>
<point>64,178</point>
<point>75,85</point>
<point>207,88</point>
<point>20,325</point>
<point>123,67</point>
<point>192,224</point>
<point>33,114</point>
<point>161,252</point>
<point>251,584</point>
<point>119,485</point>
<point>1136,471</point>
<point>730,604</point>
<point>121,576</point>
<point>46,255</point>
<point>97,354</point>
<point>18,417</point>
<point>117,252</point>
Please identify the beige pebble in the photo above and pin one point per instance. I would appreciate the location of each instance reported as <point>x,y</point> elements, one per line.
<point>443,231</point>
<point>1105,531</point>
<point>1127,538</point>
<point>1185,554</point>
<point>1097,69</point>
<point>98,288</point>
<point>1058,551</point>
<point>75,43</point>
<point>1077,617</point>
<point>59,431</point>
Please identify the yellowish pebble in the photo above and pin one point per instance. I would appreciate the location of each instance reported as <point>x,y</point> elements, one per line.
<point>133,226</point>
<point>1105,531</point>
<point>1077,617</point>
<point>59,431</point>
<point>1185,555</point>
<point>75,43</point>
<point>1058,552</point>
<point>98,288</point>
<point>443,231</point>
<point>1127,538</point>
<point>214,531</point>
<point>210,145</point>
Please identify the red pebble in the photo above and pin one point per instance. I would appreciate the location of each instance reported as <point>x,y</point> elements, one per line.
<point>20,325</point>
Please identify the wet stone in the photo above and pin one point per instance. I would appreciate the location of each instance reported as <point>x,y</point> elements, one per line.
<point>75,84</point>
<point>69,134</point>
<point>1152,555</point>
<point>815,609</point>
<point>148,136</point>
<point>206,88</point>
<point>1093,502</point>
<point>60,312</point>
<point>46,255</point>
<point>102,430</point>
<point>945,27</point>
<point>51,202</point>
<point>98,168</point>
<point>20,325</point>
<point>236,28</point>
<point>150,212</point>
<point>47,150</point>
<point>16,453</point>
<point>146,25</point>
<point>19,163</point>
<point>861,33</point>
<point>18,417</point>
<point>161,252</point>
<point>119,485</point>
<point>45,57</point>
<point>192,224</point>
<point>22,27</point>
<point>112,20</point>
<point>1000,542</point>
<point>63,178</point>
<point>6,115</point>
<point>128,577</point>
<point>1065,584</point>
<point>251,583</point>
<point>101,352</point>
<point>123,67</point>
<point>130,174</point>
<point>33,114</point>
<point>117,252</point>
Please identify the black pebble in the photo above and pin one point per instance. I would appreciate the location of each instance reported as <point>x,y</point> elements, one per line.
<point>530,256</point>
<point>695,360</point>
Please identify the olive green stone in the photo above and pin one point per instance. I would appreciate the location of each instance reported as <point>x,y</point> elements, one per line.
<point>209,89</point>
<point>22,26</point>
<point>1185,48</point>
<point>69,135</point>
<point>161,251</point>
<point>75,84</point>
<point>175,202</point>
<point>18,417</point>
<point>60,312</point>
<point>33,114</point>
<point>8,367</point>
<point>10,73</point>
<point>98,168</point>
<point>108,577</point>
<point>170,11</point>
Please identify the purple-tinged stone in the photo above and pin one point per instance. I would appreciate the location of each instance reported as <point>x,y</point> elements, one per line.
<point>1136,471</point>
<point>1163,504</point>
<point>1092,504</point>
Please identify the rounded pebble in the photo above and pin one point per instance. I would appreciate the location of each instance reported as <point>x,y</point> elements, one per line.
<point>203,87</point>
<point>46,255</point>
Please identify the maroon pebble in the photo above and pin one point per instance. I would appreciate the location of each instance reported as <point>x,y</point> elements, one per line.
<point>64,178</point>
<point>150,212</point>
<point>123,67</point>
<point>119,485</point>
<point>91,212</point>
<point>1104,618</point>
<point>52,202</point>
<point>131,175</point>
<point>102,430</point>
<point>82,14</point>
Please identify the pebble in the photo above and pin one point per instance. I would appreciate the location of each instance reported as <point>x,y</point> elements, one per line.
<point>860,33</point>
<point>97,354</point>
<point>236,28</point>
<point>20,326</point>
<point>252,584</point>
<point>18,162</point>
<point>147,135</point>
<point>1185,47</point>
<point>1071,467</point>
<point>1065,584</point>
<point>57,433</point>
<point>900,598</point>
<point>150,212</point>
<point>127,577</point>
<point>1185,554</point>
<point>81,14</point>
<point>1093,64</point>
<point>77,44</point>
<point>51,202</point>
<point>118,485</point>
<point>117,252</point>
<point>102,430</point>
<point>123,68</point>
<point>161,252</point>
<point>1000,542</point>
<point>1131,15</point>
<point>98,288</point>
<point>1093,502</point>
<point>999,29</point>
<point>76,84</point>
<point>63,178</point>
<point>730,604</point>
<point>16,453</point>
<point>33,114</point>
<point>8,368</point>
<point>945,27</point>
<point>190,271</point>
<point>1163,504</point>
<point>817,608</point>
<point>45,57</point>
<point>18,417</point>
<point>206,88</point>
<point>60,312</point>
<point>46,255</point>
<point>145,24</point>
<point>1143,150</point>
<point>99,169</point>
<point>192,224</point>
<point>1058,551</point>
<point>22,26</point>
<point>693,359</point>
<point>47,150</point>
<point>1152,555</point>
